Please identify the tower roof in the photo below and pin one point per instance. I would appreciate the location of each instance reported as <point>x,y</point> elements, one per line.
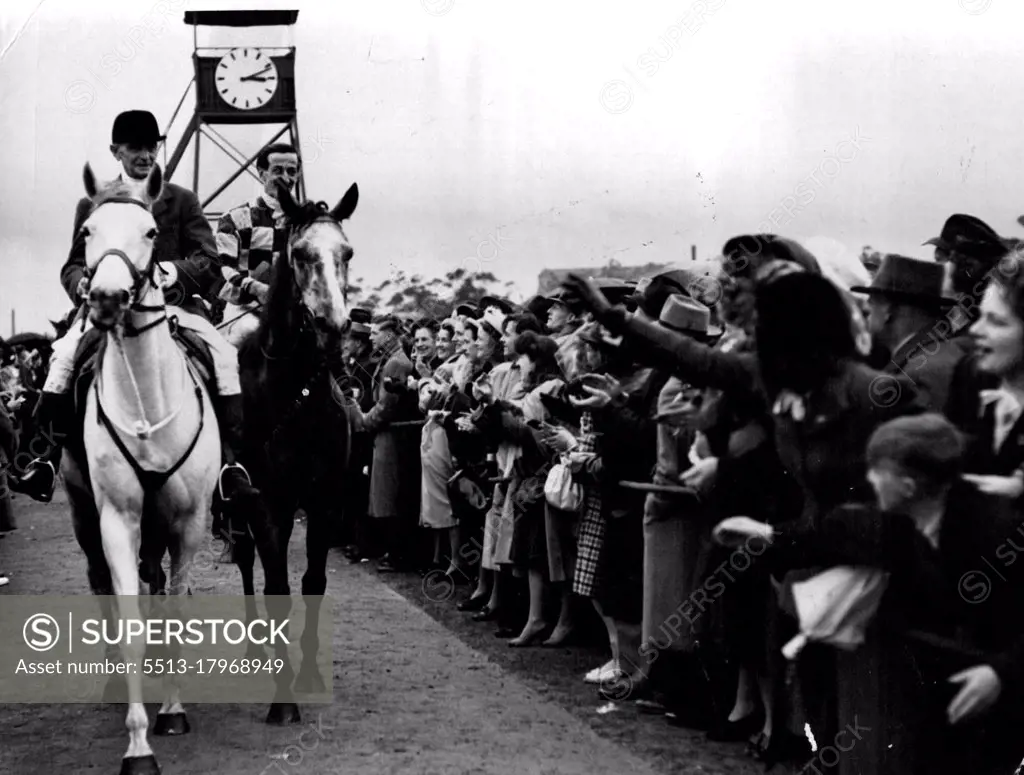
<point>241,18</point>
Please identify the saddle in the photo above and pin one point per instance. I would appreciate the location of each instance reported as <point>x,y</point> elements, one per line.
<point>93,344</point>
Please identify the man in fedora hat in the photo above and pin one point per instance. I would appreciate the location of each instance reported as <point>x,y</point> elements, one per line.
<point>185,251</point>
<point>361,363</point>
<point>906,314</point>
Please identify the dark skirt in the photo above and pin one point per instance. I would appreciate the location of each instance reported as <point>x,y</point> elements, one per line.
<point>529,536</point>
<point>622,598</point>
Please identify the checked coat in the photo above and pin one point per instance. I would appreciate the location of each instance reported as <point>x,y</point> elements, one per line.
<point>250,237</point>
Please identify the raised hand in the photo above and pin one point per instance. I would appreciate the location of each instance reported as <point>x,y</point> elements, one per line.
<point>734,531</point>
<point>980,687</point>
<point>588,294</point>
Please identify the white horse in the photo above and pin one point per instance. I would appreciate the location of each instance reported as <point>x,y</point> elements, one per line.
<point>151,442</point>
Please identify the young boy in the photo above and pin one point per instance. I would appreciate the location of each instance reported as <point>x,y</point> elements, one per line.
<point>952,598</point>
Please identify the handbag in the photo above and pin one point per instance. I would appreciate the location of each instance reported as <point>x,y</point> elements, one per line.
<point>560,490</point>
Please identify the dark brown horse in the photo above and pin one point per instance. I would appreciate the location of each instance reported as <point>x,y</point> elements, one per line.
<point>297,432</point>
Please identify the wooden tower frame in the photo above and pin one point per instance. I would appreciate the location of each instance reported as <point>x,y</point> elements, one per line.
<point>212,107</point>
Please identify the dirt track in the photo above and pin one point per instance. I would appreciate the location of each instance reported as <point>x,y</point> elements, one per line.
<point>417,690</point>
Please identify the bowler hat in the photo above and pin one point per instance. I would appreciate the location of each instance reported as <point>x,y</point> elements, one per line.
<point>136,126</point>
<point>688,316</point>
<point>467,309</point>
<point>970,236</point>
<point>908,280</point>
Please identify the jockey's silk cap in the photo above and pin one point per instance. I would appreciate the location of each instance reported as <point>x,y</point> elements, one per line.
<point>136,127</point>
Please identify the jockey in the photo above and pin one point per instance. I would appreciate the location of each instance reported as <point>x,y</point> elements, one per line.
<point>184,250</point>
<point>251,236</point>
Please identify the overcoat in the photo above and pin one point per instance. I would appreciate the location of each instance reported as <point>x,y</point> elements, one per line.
<point>395,470</point>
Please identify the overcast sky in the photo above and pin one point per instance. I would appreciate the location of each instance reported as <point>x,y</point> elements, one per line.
<point>562,132</point>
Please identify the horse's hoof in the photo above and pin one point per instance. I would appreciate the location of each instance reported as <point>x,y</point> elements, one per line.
<point>282,713</point>
<point>310,682</point>
<point>116,691</point>
<point>140,765</point>
<point>255,651</point>
<point>168,724</point>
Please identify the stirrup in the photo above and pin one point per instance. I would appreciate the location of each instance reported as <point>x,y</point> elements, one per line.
<point>220,478</point>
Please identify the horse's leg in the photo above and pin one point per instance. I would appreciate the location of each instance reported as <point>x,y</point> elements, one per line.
<point>184,542</point>
<point>245,558</point>
<point>121,540</point>
<point>314,584</point>
<point>85,521</point>
<point>272,526</point>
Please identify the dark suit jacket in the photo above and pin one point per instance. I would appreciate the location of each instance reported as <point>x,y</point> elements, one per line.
<point>825,452</point>
<point>969,590</point>
<point>395,471</point>
<point>185,240</point>
<point>981,459</point>
<point>944,372</point>
<point>946,608</point>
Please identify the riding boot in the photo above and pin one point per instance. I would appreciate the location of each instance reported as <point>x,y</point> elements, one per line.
<point>234,485</point>
<point>52,419</point>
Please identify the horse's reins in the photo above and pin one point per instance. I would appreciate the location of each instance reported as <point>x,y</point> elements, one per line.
<point>324,363</point>
<point>150,481</point>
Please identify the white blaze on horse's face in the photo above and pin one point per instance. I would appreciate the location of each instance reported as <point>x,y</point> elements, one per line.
<point>320,259</point>
<point>119,238</point>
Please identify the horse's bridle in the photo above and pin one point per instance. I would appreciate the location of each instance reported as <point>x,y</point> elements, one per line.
<point>295,233</point>
<point>139,279</point>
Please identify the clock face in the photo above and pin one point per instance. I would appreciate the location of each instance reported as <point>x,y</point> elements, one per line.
<point>246,79</point>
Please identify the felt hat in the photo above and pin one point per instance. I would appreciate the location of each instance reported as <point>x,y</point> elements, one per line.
<point>688,316</point>
<point>360,321</point>
<point>908,280</point>
<point>970,236</point>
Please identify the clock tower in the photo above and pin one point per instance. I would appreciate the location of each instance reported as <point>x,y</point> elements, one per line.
<point>248,82</point>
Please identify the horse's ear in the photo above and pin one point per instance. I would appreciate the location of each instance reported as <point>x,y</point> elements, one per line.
<point>90,181</point>
<point>347,205</point>
<point>154,183</point>
<point>287,201</point>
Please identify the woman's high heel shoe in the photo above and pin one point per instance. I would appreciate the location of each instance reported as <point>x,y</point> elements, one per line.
<point>738,730</point>
<point>783,746</point>
<point>486,615</point>
<point>473,603</point>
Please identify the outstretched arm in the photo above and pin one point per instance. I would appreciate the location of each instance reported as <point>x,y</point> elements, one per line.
<point>680,354</point>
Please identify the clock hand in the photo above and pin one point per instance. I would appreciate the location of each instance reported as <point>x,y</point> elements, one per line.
<point>257,79</point>
<point>252,76</point>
